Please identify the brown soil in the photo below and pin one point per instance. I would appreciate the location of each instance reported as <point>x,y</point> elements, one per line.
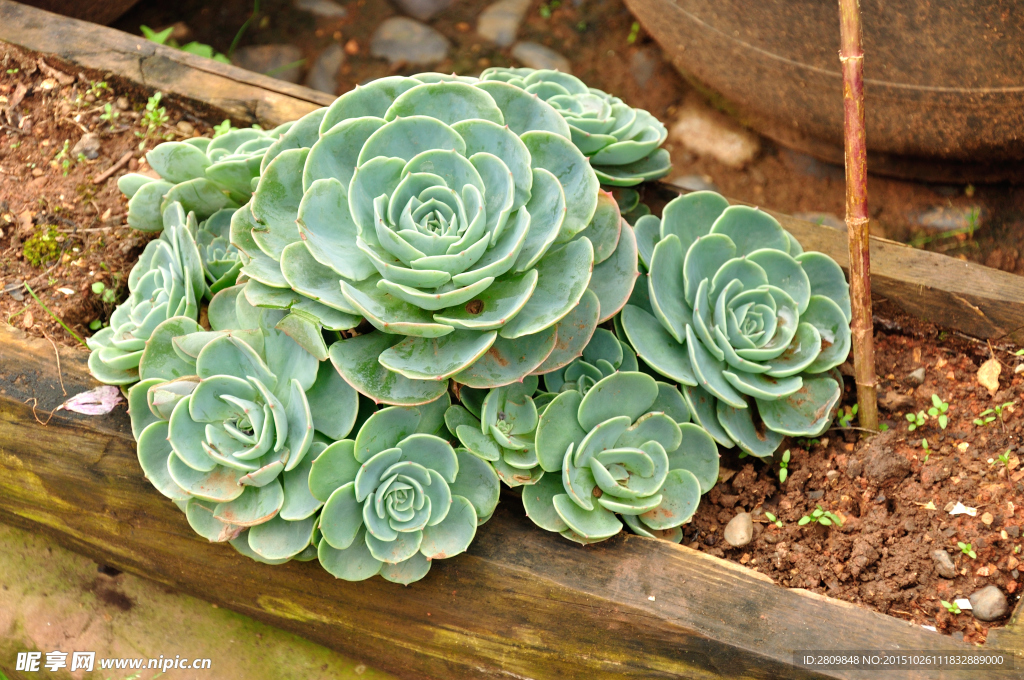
<point>893,495</point>
<point>87,239</point>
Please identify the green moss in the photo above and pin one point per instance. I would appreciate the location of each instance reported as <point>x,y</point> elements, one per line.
<point>42,247</point>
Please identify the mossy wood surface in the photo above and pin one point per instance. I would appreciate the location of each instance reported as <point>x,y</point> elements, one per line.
<point>521,603</point>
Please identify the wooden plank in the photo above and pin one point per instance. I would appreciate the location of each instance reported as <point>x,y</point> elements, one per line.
<point>97,11</point>
<point>977,300</point>
<point>522,602</point>
<point>226,90</point>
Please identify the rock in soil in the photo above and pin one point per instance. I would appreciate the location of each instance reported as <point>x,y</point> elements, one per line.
<point>739,530</point>
<point>916,377</point>
<point>88,146</point>
<point>537,56</point>
<point>323,75</point>
<point>500,22</point>
<point>424,10</point>
<point>400,39</point>
<point>896,402</point>
<point>270,60</point>
<point>944,566</point>
<point>328,9</point>
<point>988,604</point>
<point>707,132</point>
<point>882,465</point>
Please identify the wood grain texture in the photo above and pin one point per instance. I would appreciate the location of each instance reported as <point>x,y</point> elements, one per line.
<point>226,90</point>
<point>977,300</point>
<point>521,603</point>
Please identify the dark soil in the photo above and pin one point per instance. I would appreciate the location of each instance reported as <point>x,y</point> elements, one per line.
<point>893,495</point>
<point>59,231</point>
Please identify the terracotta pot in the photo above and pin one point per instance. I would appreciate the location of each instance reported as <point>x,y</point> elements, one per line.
<point>944,81</point>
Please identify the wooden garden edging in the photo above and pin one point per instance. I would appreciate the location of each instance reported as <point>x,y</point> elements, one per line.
<point>521,602</point>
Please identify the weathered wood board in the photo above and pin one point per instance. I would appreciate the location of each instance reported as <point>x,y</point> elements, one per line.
<point>521,603</point>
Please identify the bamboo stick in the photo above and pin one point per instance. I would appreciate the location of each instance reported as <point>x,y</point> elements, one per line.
<point>851,56</point>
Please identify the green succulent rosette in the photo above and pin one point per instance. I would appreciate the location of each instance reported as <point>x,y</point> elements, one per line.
<point>399,497</point>
<point>457,218</point>
<point>621,142</point>
<point>221,262</point>
<point>604,354</point>
<point>204,175</point>
<point>229,422</point>
<point>167,281</point>
<point>626,455</point>
<point>748,323</point>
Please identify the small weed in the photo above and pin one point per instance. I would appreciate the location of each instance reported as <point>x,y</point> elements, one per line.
<point>916,420</point>
<point>820,516</point>
<point>547,7</point>
<point>107,295</point>
<point>1003,458</point>
<point>1019,353</point>
<point>581,27</point>
<point>938,410</point>
<point>951,607</point>
<point>882,427</point>
<point>201,49</point>
<point>848,415</point>
<point>927,451</point>
<point>12,71</point>
<point>223,128</point>
<point>634,33</point>
<point>63,158</point>
<point>56,318</point>
<point>153,118</point>
<point>15,145</point>
<point>985,417</point>
<point>773,519</point>
<point>98,88</point>
<point>784,467</point>
<point>42,248</point>
<point>109,115</point>
<point>967,549</point>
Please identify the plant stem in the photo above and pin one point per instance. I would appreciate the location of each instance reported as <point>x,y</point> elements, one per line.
<point>55,317</point>
<point>851,56</point>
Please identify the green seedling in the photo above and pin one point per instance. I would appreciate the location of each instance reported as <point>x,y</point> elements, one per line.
<point>1004,458</point>
<point>109,115</point>
<point>967,549</point>
<point>12,71</point>
<point>784,467</point>
<point>848,415</point>
<point>107,295</point>
<point>916,420</point>
<point>951,607</point>
<point>97,88</point>
<point>223,128</point>
<point>938,410</point>
<point>153,118</point>
<point>773,519</point>
<point>823,517</point>
<point>927,451</point>
<point>547,7</point>
<point>985,417</point>
<point>62,157</point>
<point>882,427</point>
<point>1019,353</point>
<point>634,33</point>
<point>201,49</point>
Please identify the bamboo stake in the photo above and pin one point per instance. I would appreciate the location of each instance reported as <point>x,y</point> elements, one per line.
<point>851,56</point>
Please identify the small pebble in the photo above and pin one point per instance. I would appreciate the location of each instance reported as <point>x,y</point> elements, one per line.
<point>916,377</point>
<point>400,39</point>
<point>944,566</point>
<point>328,9</point>
<point>537,56</point>
<point>739,530</point>
<point>185,127</point>
<point>500,22</point>
<point>1013,531</point>
<point>816,495</point>
<point>988,604</point>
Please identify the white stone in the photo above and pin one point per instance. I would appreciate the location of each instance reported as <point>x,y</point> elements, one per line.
<point>328,9</point>
<point>500,22</point>
<point>400,39</point>
<point>707,132</point>
<point>740,530</point>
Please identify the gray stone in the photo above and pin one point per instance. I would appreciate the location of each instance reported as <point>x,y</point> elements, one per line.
<point>270,60</point>
<point>642,65</point>
<point>739,530</point>
<point>823,218</point>
<point>323,75</point>
<point>694,183</point>
<point>949,218</point>
<point>916,377</point>
<point>399,39</point>
<point>534,55</point>
<point>500,22</point>
<point>944,566</point>
<point>894,401</point>
<point>423,10</point>
<point>988,604</point>
<point>88,146</point>
<point>710,133</point>
<point>327,9</point>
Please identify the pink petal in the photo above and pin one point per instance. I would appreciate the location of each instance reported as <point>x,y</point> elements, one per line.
<point>94,402</point>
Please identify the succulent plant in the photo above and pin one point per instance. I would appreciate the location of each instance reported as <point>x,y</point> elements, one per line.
<point>230,421</point>
<point>630,205</point>
<point>602,356</point>
<point>399,497</point>
<point>621,142</point>
<point>220,259</point>
<point>457,218</point>
<point>736,312</point>
<point>498,425</point>
<point>167,281</point>
<point>204,175</point>
<point>626,454</point>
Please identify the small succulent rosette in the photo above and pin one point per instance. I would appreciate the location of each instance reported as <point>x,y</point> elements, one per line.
<point>622,143</point>
<point>738,314</point>
<point>622,452</point>
<point>204,175</point>
<point>167,281</point>
<point>399,496</point>
<point>229,422</point>
<point>220,259</point>
<point>499,425</point>
<point>456,217</point>
<point>604,354</point>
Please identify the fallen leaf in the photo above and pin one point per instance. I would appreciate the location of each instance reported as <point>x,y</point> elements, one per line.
<point>988,375</point>
<point>66,291</point>
<point>961,509</point>
<point>95,402</point>
<point>930,505</point>
<point>963,603</point>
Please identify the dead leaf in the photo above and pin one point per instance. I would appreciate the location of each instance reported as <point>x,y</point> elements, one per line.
<point>961,509</point>
<point>988,375</point>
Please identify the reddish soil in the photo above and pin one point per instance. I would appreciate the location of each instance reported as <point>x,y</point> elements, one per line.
<point>74,228</point>
<point>893,496</point>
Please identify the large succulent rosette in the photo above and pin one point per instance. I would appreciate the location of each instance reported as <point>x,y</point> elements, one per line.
<point>167,281</point>
<point>621,142</point>
<point>735,311</point>
<point>458,219</point>
<point>229,422</point>
<point>399,497</point>
<point>621,451</point>
<point>204,175</point>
